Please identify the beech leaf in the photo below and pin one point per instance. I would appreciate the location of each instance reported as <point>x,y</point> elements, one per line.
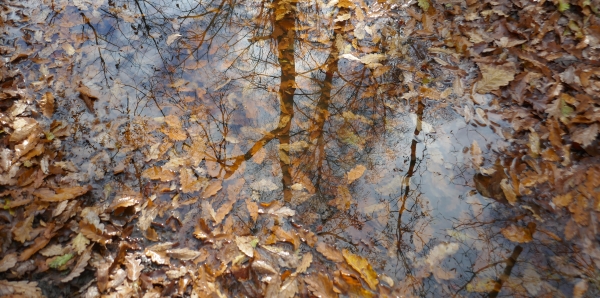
<point>494,77</point>
<point>362,266</point>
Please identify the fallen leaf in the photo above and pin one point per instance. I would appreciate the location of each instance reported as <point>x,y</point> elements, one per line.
<point>23,229</point>
<point>330,252</point>
<point>22,288</point>
<point>252,209</point>
<point>362,266</point>
<point>246,244</point>
<point>494,77</point>
<point>47,104</point>
<point>184,254</point>
<point>8,261</point>
<point>307,259</point>
<point>356,173</point>
<point>171,38</point>
<point>134,267</point>
<point>517,234</point>
<point>586,136</point>
<point>80,265</point>
<point>476,154</point>
<point>80,243</point>
<point>157,173</point>
<point>189,182</point>
<point>59,261</point>
<point>509,191</point>
<point>61,194</point>
<point>91,232</point>
<point>212,189</point>
<point>320,285</point>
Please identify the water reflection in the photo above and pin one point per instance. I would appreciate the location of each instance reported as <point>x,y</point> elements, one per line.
<point>293,97</point>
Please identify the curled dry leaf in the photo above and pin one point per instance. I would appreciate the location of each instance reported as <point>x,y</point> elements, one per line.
<point>8,261</point>
<point>356,173</point>
<point>47,104</point>
<point>61,194</point>
<point>80,265</point>
<point>362,266</point>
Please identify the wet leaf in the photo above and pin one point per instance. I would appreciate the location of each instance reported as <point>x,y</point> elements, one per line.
<point>212,189</point>
<point>47,104</point>
<point>252,209</point>
<point>246,244</point>
<point>494,77</point>
<point>362,266</point>
<point>320,285</point>
<point>330,252</point>
<point>517,234</point>
<point>356,173</point>
<point>184,254</point>
<point>158,173</point>
<point>61,194</point>
<point>134,267</point>
<point>189,182</point>
<point>79,266</point>
<point>509,191</point>
<point>91,232</point>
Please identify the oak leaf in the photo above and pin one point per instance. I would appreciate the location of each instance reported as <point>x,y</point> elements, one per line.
<point>23,229</point>
<point>212,189</point>
<point>320,285</point>
<point>330,252</point>
<point>586,136</point>
<point>134,267</point>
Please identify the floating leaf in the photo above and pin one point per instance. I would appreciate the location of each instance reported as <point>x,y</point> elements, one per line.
<point>362,266</point>
<point>356,173</point>
<point>517,234</point>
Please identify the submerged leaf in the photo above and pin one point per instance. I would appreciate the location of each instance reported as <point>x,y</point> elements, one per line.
<point>517,234</point>
<point>362,266</point>
<point>494,77</point>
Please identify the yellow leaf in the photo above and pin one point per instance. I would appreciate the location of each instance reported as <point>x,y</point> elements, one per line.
<point>363,267</point>
<point>494,77</point>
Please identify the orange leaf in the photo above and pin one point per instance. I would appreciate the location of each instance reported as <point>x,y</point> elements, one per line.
<point>362,266</point>
<point>61,194</point>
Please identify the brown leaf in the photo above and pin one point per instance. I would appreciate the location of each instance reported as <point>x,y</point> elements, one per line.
<point>184,254</point>
<point>20,288</point>
<point>223,210</point>
<point>476,154</point>
<point>212,189</point>
<point>252,209</point>
<point>246,244</point>
<point>356,173</point>
<point>61,194</point>
<point>87,96</point>
<point>102,276</point>
<point>23,229</point>
<point>307,258</point>
<point>320,285</point>
<point>8,261</point>
<point>80,265</point>
<point>23,127</point>
<point>91,232</point>
<point>563,200</point>
<point>343,199</point>
<point>494,76</point>
<point>39,243</point>
<point>125,201</point>
<point>47,104</point>
<point>509,191</point>
<point>362,266</point>
<point>517,234</point>
<point>158,173</point>
<point>585,136</point>
<point>134,267</point>
<point>189,182</point>
<point>330,252</point>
